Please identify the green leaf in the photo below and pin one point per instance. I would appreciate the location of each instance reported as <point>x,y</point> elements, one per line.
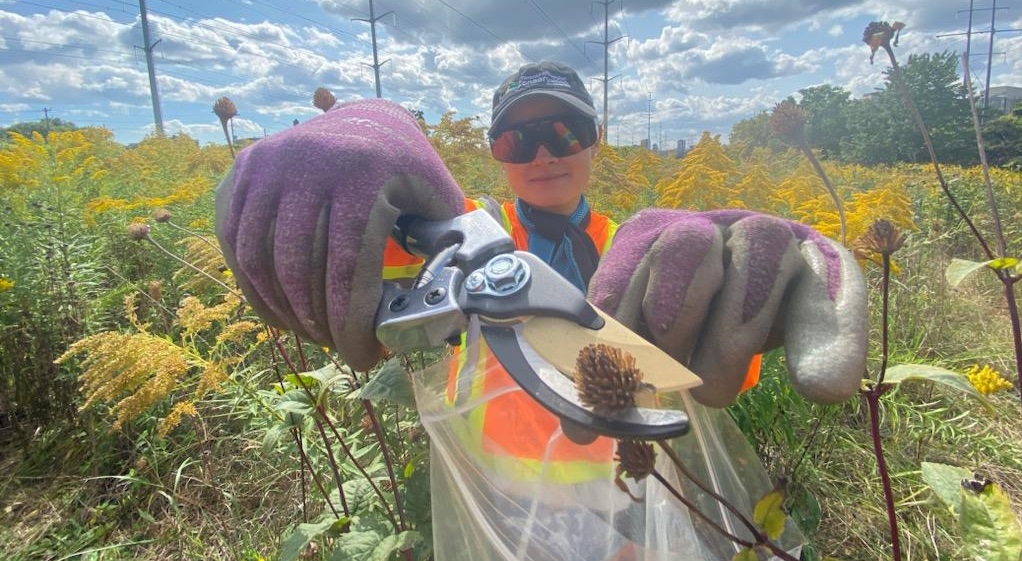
<point>769,515</point>
<point>990,530</point>
<point>370,546</point>
<point>806,511</point>
<point>391,383</point>
<point>302,381</point>
<point>946,482</point>
<point>303,534</point>
<point>295,401</point>
<point>923,372</point>
<point>960,269</point>
<point>1004,263</point>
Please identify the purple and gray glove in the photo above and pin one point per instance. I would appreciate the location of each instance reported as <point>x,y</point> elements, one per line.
<point>304,216</point>
<point>714,288</point>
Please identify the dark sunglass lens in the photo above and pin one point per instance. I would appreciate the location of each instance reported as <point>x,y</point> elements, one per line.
<point>513,147</point>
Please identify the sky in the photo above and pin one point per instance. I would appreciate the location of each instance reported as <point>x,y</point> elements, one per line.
<point>676,67</point>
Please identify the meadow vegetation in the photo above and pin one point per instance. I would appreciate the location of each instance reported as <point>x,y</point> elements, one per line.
<point>147,413</point>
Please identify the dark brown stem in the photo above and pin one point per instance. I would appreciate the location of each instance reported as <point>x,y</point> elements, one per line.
<point>387,461</point>
<point>322,414</point>
<point>830,189</point>
<point>694,509</point>
<point>296,434</point>
<point>995,216</point>
<point>761,538</point>
<point>921,125</point>
<point>1003,275</point>
<point>885,290</point>
<point>331,459</point>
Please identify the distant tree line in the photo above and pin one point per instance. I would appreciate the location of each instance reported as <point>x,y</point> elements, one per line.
<point>877,129</point>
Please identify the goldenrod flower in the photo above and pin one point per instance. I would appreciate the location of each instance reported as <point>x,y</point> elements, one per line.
<point>986,380</point>
<point>6,284</point>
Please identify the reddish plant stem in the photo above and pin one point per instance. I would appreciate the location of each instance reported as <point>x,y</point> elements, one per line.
<point>322,414</point>
<point>388,462</point>
<point>872,397</point>
<point>296,435</point>
<point>331,459</point>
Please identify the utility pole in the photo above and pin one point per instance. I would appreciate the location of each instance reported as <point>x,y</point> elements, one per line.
<point>376,57</point>
<point>46,116</point>
<point>990,46</point>
<point>649,122</point>
<point>607,42</point>
<point>153,89</point>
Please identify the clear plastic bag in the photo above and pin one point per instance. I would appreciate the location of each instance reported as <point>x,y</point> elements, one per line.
<point>491,503</point>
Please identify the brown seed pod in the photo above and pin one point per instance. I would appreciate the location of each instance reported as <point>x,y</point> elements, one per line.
<point>882,237</point>
<point>606,378</point>
<point>788,122</point>
<point>635,458</point>
<point>138,231</point>
<point>161,215</point>
<point>225,109</point>
<point>323,99</point>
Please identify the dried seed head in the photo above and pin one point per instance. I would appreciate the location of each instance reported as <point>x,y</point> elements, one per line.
<point>323,99</point>
<point>606,378</point>
<point>635,458</point>
<point>161,215</point>
<point>788,122</point>
<point>138,231</point>
<point>225,109</point>
<point>879,34</point>
<point>881,237</point>
<point>155,290</point>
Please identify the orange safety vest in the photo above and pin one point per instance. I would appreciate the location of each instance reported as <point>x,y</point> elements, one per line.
<point>510,431</point>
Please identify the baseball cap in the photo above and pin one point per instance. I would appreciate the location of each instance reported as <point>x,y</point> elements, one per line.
<point>552,79</point>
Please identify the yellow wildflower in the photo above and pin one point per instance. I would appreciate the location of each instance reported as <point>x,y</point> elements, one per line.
<point>986,380</point>
<point>173,418</point>
<point>6,284</point>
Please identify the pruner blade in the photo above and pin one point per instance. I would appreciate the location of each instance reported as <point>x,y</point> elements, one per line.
<point>557,393</point>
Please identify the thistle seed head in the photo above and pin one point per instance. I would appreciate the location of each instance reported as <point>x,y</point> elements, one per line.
<point>161,215</point>
<point>225,109</point>
<point>635,458</point>
<point>788,122</point>
<point>606,378</point>
<point>882,237</point>
<point>138,231</point>
<point>323,99</point>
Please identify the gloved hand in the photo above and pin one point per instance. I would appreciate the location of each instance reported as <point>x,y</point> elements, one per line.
<point>714,288</point>
<point>304,216</point>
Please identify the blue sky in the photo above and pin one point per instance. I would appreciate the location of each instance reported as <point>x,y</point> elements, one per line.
<point>681,67</point>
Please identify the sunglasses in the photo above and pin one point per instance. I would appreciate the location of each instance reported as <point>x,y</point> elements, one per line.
<point>562,136</point>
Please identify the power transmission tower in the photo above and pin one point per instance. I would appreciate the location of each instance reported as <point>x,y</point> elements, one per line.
<point>990,45</point>
<point>649,122</point>
<point>153,89</point>
<point>606,60</point>
<point>376,57</point>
